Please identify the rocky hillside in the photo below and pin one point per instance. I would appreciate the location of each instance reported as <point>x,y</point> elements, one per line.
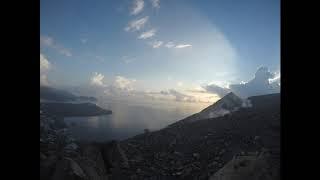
<point>197,150</point>
<point>226,105</point>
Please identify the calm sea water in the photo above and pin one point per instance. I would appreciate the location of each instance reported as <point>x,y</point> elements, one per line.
<point>128,120</point>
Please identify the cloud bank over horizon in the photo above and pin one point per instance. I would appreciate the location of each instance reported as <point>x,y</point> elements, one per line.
<point>264,82</point>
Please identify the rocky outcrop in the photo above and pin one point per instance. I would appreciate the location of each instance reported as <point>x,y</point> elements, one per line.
<point>63,158</point>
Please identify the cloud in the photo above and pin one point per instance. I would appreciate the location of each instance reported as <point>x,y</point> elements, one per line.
<point>97,80</point>
<point>264,82</point>
<point>127,59</point>
<point>147,34</point>
<point>46,41</point>
<point>137,24</point>
<point>100,58</point>
<point>181,97</point>
<point>179,83</point>
<point>44,68</point>
<point>84,41</point>
<point>220,91</point>
<point>179,46</point>
<point>155,3</point>
<point>169,45</point>
<point>156,44</point>
<point>137,7</point>
<point>275,79</point>
<point>124,83</point>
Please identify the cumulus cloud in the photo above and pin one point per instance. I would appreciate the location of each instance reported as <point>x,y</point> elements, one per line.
<point>137,24</point>
<point>169,45</point>
<point>155,3</point>
<point>262,83</point>
<point>179,46</point>
<point>97,79</point>
<point>44,68</point>
<point>124,83</point>
<point>137,7</point>
<point>156,44</point>
<point>147,34</point>
<point>275,79</point>
<point>46,41</point>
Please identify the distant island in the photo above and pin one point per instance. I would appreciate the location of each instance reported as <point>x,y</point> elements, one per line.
<point>72,110</point>
<point>57,95</point>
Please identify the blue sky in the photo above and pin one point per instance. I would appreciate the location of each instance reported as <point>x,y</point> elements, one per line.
<point>179,44</point>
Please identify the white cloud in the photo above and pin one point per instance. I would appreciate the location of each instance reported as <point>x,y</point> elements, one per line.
<point>259,85</point>
<point>137,7</point>
<point>179,83</point>
<point>137,24</point>
<point>156,44</point>
<point>275,78</point>
<point>47,41</point>
<point>179,46</point>
<point>124,83</point>
<point>155,3</point>
<point>44,68</point>
<point>147,34</point>
<point>97,79</point>
<point>169,45</point>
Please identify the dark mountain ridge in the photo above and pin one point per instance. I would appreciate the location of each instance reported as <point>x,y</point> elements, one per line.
<point>53,94</point>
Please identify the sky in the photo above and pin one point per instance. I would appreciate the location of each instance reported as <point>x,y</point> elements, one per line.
<point>180,50</point>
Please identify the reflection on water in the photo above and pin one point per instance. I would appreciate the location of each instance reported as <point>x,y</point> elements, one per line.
<point>127,120</point>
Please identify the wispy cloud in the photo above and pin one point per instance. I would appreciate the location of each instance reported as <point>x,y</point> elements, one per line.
<point>155,3</point>
<point>179,46</point>
<point>100,58</point>
<point>44,68</point>
<point>137,24</point>
<point>46,41</point>
<point>84,41</point>
<point>137,7</point>
<point>156,44</point>
<point>127,59</point>
<point>147,34</point>
<point>169,45</point>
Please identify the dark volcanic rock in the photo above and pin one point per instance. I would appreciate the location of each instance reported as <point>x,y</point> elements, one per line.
<point>114,155</point>
<point>206,145</point>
